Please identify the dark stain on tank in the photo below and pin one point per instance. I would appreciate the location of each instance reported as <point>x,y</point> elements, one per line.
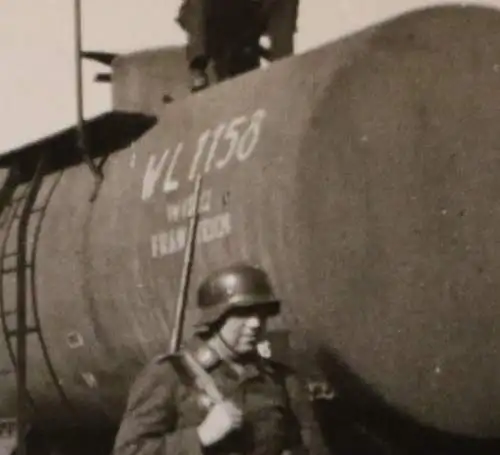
<point>225,198</point>
<point>358,420</point>
<point>6,371</point>
<point>102,338</point>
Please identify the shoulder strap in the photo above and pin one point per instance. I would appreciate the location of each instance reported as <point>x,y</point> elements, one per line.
<point>191,373</point>
<point>181,370</point>
<point>202,378</point>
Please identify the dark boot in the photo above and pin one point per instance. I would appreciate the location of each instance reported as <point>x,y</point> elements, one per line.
<point>199,80</point>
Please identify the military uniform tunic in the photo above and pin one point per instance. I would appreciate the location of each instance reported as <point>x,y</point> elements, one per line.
<point>164,411</point>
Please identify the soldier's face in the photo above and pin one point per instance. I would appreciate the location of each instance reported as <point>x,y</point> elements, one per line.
<point>243,330</point>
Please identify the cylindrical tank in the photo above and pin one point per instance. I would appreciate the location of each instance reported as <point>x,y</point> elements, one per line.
<point>364,176</point>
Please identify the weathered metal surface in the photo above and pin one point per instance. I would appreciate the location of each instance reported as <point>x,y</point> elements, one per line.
<point>147,80</point>
<point>362,175</point>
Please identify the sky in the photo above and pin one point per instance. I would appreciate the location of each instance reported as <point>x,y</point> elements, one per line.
<point>37,77</point>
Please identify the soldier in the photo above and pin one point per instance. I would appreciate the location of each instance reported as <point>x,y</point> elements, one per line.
<point>263,409</point>
<point>228,33</point>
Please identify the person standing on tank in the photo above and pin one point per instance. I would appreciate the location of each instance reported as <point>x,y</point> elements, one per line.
<point>228,33</point>
<point>265,408</point>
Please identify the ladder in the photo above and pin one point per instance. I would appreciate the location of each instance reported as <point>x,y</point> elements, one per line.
<point>17,263</point>
<point>8,437</point>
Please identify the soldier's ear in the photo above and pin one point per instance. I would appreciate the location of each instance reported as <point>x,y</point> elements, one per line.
<point>207,331</point>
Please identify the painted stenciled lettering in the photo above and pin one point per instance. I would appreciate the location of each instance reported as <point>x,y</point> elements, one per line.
<point>168,242</point>
<point>213,147</point>
<point>202,142</point>
<point>153,172</point>
<point>185,207</point>
<point>250,137</point>
<point>214,228</point>
<point>174,240</point>
<point>233,137</point>
<point>231,141</point>
<point>170,184</point>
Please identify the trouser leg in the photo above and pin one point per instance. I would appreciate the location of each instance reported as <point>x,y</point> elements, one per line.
<point>281,28</point>
<point>193,19</point>
<point>236,63</point>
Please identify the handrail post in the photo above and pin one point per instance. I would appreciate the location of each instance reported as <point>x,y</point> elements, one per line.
<point>81,139</point>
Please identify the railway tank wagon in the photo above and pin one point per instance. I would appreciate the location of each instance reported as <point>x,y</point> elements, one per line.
<point>363,175</point>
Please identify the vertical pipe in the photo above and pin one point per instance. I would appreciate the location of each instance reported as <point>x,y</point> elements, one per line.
<point>81,140</point>
<point>78,73</point>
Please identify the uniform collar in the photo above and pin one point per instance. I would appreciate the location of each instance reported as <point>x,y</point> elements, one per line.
<point>203,353</point>
<point>210,360</point>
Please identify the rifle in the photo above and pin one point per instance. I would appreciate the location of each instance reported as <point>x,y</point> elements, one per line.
<point>180,310</point>
<point>203,380</point>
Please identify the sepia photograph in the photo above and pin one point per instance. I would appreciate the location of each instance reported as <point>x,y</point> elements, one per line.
<point>250,227</point>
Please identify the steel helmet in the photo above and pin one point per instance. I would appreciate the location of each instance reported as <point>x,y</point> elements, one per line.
<point>236,286</point>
